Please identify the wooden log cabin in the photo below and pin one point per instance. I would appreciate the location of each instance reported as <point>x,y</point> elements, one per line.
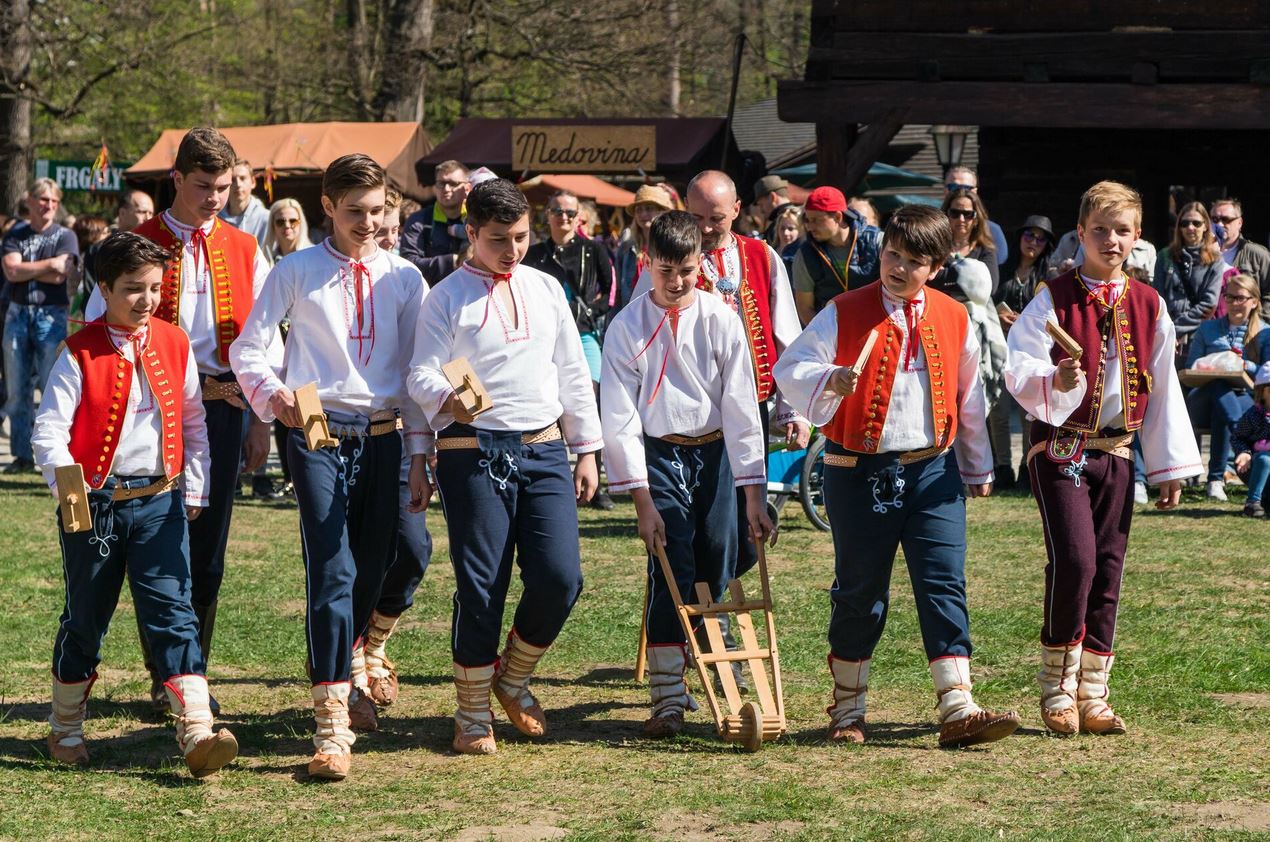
<point>1162,94</point>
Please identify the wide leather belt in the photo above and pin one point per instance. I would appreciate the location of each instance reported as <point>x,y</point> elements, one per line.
<point>692,441</point>
<point>161,487</point>
<point>383,422</point>
<point>1121,445</point>
<point>850,460</point>
<point>542,436</point>
<point>220,390</point>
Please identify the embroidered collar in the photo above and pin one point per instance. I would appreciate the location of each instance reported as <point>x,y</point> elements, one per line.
<point>894,302</point>
<point>343,258</point>
<point>489,277</point>
<point>186,231</point>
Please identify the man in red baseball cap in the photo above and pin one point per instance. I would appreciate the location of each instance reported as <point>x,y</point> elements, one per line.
<point>839,253</point>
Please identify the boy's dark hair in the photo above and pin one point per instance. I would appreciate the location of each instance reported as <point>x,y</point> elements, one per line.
<point>921,231</point>
<point>674,237</point>
<point>123,253</point>
<point>204,148</point>
<point>496,200</point>
<point>352,172</point>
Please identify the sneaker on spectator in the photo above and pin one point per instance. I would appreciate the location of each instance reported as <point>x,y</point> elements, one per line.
<point>1140,494</point>
<point>1217,491</point>
<point>20,466</point>
<point>1254,509</point>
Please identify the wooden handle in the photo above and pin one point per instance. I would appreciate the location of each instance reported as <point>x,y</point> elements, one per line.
<point>1064,340</point>
<point>865,351</point>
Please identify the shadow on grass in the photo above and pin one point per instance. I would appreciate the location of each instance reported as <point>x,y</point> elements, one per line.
<point>1189,514</point>
<point>137,709</point>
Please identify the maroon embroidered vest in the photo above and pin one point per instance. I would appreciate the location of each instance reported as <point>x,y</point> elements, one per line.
<point>1129,323</point>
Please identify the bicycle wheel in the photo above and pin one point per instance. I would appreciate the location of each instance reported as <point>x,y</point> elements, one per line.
<point>811,485</point>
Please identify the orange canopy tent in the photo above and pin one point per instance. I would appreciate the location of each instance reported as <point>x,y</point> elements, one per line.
<point>539,188</point>
<point>306,149</point>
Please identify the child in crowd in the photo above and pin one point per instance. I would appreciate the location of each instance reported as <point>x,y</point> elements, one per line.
<point>353,309</point>
<point>682,432</point>
<point>1088,412</point>
<point>907,442</point>
<point>414,544</point>
<point>504,474</point>
<point>143,450</point>
<point>1252,444</point>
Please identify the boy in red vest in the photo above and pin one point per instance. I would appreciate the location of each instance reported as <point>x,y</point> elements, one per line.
<point>209,286</point>
<point>109,408</point>
<point>1081,464</point>
<point>907,443</point>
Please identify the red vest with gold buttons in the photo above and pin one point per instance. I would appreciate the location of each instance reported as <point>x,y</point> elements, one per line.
<point>755,293</point>
<point>1129,322</point>
<point>232,255</point>
<point>107,381</point>
<point>857,425</point>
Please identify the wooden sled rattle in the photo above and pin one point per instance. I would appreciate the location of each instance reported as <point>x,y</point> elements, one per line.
<point>1064,340</point>
<point>72,496</point>
<point>749,724</point>
<point>467,386</point>
<point>313,419</point>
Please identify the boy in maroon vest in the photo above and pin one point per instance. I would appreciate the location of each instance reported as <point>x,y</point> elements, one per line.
<point>908,442</point>
<point>112,406</point>
<point>209,286</point>
<point>1087,413</point>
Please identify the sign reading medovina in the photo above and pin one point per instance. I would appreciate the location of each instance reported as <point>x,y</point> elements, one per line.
<point>76,176</point>
<point>584,148</point>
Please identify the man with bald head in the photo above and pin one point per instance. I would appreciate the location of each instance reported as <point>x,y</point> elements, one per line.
<point>750,277</point>
<point>135,207</point>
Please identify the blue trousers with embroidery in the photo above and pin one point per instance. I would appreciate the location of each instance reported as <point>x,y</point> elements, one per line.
<point>145,538</point>
<point>692,488</point>
<point>508,502</point>
<point>209,533</point>
<point>414,551</point>
<point>875,508</point>
<point>348,501</point>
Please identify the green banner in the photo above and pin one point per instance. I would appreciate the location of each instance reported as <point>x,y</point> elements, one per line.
<point>76,176</point>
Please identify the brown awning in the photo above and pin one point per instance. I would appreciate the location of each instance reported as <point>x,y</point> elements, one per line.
<point>307,149</point>
<point>540,188</point>
<point>685,145</point>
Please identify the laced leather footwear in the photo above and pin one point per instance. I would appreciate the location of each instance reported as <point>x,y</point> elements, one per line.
<point>852,732</point>
<point>669,724</point>
<point>982,726</point>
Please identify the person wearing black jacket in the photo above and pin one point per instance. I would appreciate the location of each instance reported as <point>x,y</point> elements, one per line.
<point>585,271</point>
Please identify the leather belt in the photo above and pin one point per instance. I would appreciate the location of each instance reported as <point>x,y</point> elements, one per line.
<point>692,441</point>
<point>161,487</point>
<point>383,422</point>
<point>1121,446</point>
<point>551,433</point>
<point>850,460</point>
<point>220,390</point>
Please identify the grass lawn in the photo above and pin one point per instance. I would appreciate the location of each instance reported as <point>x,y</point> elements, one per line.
<point>1192,680</point>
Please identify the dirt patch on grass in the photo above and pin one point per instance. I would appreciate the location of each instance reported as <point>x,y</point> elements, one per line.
<point>1231,815</point>
<point>1244,700</point>
<point>532,832</point>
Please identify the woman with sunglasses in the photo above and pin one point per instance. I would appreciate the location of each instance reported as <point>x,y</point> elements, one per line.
<point>971,235</point>
<point>1189,273</point>
<point>1020,274</point>
<point>1218,405</point>
<point>288,230</point>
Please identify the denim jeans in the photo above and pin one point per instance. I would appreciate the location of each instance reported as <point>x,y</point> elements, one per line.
<point>32,333</point>
<point>1257,476</point>
<point>1218,407</point>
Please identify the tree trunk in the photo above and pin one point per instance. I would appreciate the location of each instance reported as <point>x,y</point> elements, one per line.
<point>401,87</point>
<point>15,106</point>
<point>672,29</point>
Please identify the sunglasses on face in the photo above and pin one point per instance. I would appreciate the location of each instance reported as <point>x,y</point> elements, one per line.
<point>451,185</point>
<point>1237,299</point>
<point>953,213</point>
<point>954,186</point>
<point>1190,223</point>
<point>1225,220</point>
<point>286,223</point>
<point>1036,237</point>
<point>567,214</point>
